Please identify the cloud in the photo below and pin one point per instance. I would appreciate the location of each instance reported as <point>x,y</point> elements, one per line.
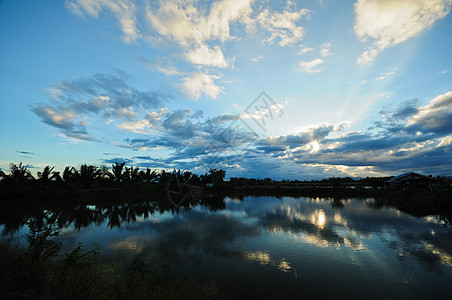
<point>304,50</point>
<point>309,66</point>
<point>124,11</point>
<point>207,57</point>
<point>325,49</point>
<point>198,31</point>
<point>282,26</point>
<point>385,95</point>
<point>200,83</point>
<point>386,74</point>
<point>304,138</point>
<point>184,24</point>
<point>436,117</point>
<point>118,160</point>
<point>74,102</point>
<point>65,120</point>
<point>223,13</point>
<point>159,65</point>
<point>407,137</point>
<point>257,58</point>
<point>265,111</point>
<point>387,23</point>
<point>26,152</point>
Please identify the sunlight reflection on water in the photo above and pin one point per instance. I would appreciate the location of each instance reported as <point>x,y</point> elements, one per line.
<point>294,245</point>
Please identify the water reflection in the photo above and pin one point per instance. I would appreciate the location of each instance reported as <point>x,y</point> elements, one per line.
<point>308,239</point>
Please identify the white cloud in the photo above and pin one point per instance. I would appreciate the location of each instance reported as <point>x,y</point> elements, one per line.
<point>208,57</point>
<point>265,112</point>
<point>325,49</point>
<point>388,22</point>
<point>183,23</point>
<point>224,12</point>
<point>386,74</point>
<point>198,83</point>
<point>139,126</point>
<point>367,56</point>
<point>304,50</point>
<point>175,22</point>
<point>124,11</point>
<point>282,26</point>
<point>309,66</point>
<point>186,25</point>
<point>385,95</point>
<point>257,58</point>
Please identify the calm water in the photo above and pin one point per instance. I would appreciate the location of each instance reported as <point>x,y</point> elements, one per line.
<point>286,247</point>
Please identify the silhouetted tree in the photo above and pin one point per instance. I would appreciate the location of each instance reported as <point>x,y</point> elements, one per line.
<point>104,174</point>
<point>47,175</point>
<point>149,176</point>
<point>88,173</point>
<point>134,174</point>
<point>19,174</point>
<point>217,175</point>
<point>70,174</point>
<point>164,177</point>
<point>117,170</point>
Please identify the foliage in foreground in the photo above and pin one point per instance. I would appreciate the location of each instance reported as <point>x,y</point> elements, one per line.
<point>38,271</point>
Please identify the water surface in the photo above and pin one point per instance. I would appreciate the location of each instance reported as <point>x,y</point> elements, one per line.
<point>277,247</point>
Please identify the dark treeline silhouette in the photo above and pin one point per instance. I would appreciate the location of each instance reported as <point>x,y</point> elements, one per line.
<point>90,181</point>
<point>119,173</point>
<point>121,183</point>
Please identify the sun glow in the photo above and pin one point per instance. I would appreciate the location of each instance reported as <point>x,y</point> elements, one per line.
<point>319,219</point>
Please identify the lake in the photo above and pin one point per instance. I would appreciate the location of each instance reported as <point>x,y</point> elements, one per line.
<point>284,247</point>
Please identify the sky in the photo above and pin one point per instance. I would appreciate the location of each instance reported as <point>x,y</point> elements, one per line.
<point>281,89</point>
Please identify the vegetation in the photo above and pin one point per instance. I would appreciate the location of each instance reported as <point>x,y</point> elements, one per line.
<point>39,271</point>
<point>178,189</point>
<point>96,184</point>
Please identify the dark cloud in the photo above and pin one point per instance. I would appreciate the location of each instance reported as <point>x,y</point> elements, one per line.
<point>391,146</point>
<point>117,160</point>
<point>26,152</point>
<point>434,118</point>
<point>280,143</point>
<point>405,139</point>
<point>107,96</point>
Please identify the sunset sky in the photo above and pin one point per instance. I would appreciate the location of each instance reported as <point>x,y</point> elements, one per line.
<point>280,89</point>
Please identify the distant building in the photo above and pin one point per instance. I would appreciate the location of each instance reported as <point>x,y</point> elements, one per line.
<point>410,181</point>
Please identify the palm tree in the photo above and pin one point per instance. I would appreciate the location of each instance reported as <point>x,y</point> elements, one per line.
<point>117,171</point>
<point>164,177</point>
<point>217,174</point>
<point>20,173</point>
<point>104,174</point>
<point>134,174</point>
<point>70,174</point>
<point>88,173</point>
<point>149,176</point>
<point>46,175</point>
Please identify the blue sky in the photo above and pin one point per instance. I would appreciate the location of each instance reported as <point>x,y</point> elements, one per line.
<point>280,89</point>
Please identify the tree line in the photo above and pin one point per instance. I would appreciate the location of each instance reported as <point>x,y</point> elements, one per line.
<point>119,173</point>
